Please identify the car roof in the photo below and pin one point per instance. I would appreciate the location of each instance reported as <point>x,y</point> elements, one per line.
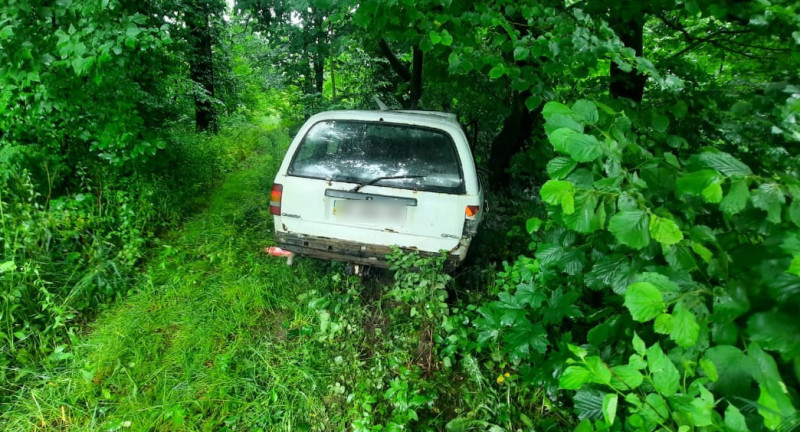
<point>398,116</point>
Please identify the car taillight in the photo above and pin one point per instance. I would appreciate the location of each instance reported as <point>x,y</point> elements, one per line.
<point>275,199</point>
<point>471,211</point>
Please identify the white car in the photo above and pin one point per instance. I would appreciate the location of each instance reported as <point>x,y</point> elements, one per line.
<point>353,184</point>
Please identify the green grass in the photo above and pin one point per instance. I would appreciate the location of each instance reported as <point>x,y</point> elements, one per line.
<point>216,336</point>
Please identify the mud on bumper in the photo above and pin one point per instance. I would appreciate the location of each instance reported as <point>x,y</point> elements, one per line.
<point>354,252</point>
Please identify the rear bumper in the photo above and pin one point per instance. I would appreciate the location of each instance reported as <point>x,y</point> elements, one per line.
<point>353,252</point>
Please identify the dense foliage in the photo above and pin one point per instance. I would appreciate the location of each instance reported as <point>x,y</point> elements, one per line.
<point>645,204</point>
<point>96,161</point>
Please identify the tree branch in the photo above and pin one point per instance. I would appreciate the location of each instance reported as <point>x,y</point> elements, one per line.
<point>695,41</point>
<point>397,65</point>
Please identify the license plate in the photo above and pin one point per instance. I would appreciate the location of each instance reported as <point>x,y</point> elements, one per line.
<point>369,211</point>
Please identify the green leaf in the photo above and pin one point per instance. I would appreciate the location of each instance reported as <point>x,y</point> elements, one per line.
<point>736,200</point>
<point>598,369</point>
<point>561,305</point>
<point>734,369</point>
<point>660,122</point>
<point>7,266</point>
<point>703,252</point>
<point>521,53</point>
<point>6,32</point>
<point>665,376</point>
<point>663,283</point>
<point>579,352</point>
<point>528,294</point>
<point>447,38</point>
<point>583,148</point>
<point>82,64</point>
<point>583,218</point>
<point>584,426</point>
<point>598,334</point>
<point>693,183</point>
<point>644,301</point>
<point>497,71</point>
<point>610,408</point>
<point>611,270</point>
<point>776,330</point>
<point>638,344</point>
<point>770,198</point>
<point>701,408</point>
<point>769,409</point>
<point>665,231</point>
<point>685,329</point>
<point>794,212</point>
<point>533,102</point>
<point>533,224</point>
<point>709,368</point>
<point>663,324</point>
<point>574,377</point>
<point>454,60</point>
<point>132,31</point>
<point>558,121</point>
<point>559,192</point>
<point>625,378</point>
<point>559,138</point>
<point>637,362</point>
<point>435,37</point>
<point>794,266</point>
<point>712,193</point>
<point>655,411</point>
<point>569,260</point>
<point>588,404</point>
<point>680,257</point>
<point>631,228</point>
<point>560,167</point>
<point>585,112</point>
<point>672,160</point>
<point>525,338</point>
<point>734,420</point>
<point>725,163</point>
<point>775,403</point>
<point>552,107</point>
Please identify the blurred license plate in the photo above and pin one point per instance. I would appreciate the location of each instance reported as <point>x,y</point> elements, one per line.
<point>369,211</point>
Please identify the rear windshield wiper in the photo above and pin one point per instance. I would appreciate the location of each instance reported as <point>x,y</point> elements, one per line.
<point>377,179</point>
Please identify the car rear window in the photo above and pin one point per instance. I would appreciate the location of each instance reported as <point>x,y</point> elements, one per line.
<point>361,152</point>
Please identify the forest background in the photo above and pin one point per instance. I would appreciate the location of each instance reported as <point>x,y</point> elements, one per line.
<point>639,268</point>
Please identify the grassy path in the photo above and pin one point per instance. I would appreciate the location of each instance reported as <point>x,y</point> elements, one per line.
<point>216,337</point>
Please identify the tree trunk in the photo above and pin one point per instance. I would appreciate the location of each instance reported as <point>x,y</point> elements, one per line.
<point>413,76</point>
<point>517,128</point>
<point>333,80</point>
<point>319,54</point>
<point>319,73</point>
<point>628,23</point>
<point>332,59</point>
<point>306,68</point>
<point>201,66</point>
<point>416,79</point>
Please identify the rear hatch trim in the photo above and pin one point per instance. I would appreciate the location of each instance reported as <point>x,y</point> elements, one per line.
<point>338,193</point>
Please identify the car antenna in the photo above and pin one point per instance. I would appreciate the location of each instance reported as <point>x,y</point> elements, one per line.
<point>380,103</point>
